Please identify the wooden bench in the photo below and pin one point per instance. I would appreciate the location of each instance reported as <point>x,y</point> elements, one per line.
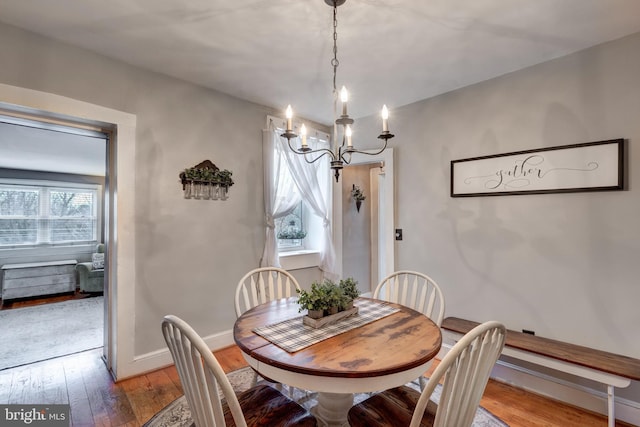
<point>614,370</point>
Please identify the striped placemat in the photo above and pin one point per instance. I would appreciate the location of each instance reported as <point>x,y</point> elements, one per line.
<point>293,335</point>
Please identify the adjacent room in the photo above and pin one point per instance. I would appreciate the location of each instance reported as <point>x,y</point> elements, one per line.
<point>336,207</point>
<point>52,274</point>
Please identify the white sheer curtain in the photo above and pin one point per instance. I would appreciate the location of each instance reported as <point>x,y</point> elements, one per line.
<point>314,182</point>
<point>280,194</point>
<point>311,182</point>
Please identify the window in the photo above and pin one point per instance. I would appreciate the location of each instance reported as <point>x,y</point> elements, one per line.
<point>33,214</point>
<point>301,229</point>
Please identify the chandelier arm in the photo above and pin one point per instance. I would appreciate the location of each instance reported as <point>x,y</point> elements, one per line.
<point>368,154</point>
<point>324,152</point>
<point>344,158</point>
<point>310,151</point>
<point>319,150</point>
<point>306,159</point>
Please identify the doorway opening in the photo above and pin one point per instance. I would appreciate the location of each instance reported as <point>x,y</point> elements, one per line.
<point>53,181</point>
<point>120,221</point>
<point>365,247</point>
<point>360,224</point>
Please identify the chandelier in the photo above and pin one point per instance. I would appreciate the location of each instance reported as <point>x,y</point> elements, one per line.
<point>340,154</point>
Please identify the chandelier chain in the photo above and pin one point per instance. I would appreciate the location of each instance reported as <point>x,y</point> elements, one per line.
<point>334,60</point>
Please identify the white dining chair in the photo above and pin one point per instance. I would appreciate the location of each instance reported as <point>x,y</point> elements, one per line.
<point>414,290</point>
<point>205,385</point>
<point>263,285</point>
<point>465,372</point>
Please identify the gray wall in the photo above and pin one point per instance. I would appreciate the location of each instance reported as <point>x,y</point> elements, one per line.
<point>563,265</point>
<point>190,253</point>
<point>356,227</point>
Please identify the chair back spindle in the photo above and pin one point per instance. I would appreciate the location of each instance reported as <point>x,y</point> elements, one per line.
<point>465,371</point>
<point>263,285</point>
<point>414,290</point>
<point>202,377</point>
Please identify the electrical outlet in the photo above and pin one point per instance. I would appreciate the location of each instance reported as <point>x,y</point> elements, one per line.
<point>527,331</point>
<point>398,233</point>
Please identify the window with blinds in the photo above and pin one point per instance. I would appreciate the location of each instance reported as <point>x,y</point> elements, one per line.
<point>40,214</point>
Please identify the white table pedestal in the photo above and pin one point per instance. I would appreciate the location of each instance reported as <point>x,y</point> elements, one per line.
<point>332,409</point>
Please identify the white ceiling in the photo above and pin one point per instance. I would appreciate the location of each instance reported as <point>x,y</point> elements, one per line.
<point>276,52</point>
<point>50,148</point>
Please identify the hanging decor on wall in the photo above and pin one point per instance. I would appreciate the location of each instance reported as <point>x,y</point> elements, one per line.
<point>593,166</point>
<point>206,181</point>
<point>358,196</point>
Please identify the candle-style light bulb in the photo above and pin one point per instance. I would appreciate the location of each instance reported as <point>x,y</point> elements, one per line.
<point>344,97</point>
<point>385,119</point>
<point>289,114</point>
<point>303,133</point>
<point>348,133</point>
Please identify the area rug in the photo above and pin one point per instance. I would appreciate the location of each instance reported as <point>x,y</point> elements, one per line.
<point>177,414</point>
<point>33,334</point>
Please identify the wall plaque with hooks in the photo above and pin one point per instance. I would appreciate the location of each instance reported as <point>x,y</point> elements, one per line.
<point>206,181</point>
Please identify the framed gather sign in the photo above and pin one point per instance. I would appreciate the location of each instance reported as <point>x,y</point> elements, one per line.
<point>593,166</point>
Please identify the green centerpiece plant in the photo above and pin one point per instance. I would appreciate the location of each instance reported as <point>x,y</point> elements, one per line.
<point>335,297</point>
<point>327,297</point>
<point>350,292</point>
<point>314,300</point>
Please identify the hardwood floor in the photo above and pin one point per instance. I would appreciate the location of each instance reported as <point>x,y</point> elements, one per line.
<point>47,299</point>
<point>82,380</point>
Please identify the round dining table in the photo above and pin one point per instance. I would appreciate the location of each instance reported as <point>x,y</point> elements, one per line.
<point>383,354</point>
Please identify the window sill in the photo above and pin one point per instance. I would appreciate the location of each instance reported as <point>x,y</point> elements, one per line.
<point>295,260</point>
<point>48,248</point>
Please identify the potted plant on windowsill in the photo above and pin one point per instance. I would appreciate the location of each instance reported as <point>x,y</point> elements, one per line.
<point>291,233</point>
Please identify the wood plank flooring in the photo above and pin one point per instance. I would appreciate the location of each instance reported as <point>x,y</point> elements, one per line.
<point>82,380</point>
<point>40,300</point>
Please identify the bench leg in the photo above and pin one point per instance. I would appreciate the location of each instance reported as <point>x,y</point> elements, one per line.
<point>612,406</point>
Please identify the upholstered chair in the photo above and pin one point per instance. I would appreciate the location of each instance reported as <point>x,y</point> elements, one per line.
<point>91,274</point>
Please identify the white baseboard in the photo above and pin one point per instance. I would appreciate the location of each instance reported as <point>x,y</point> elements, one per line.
<point>159,359</point>
<point>562,390</point>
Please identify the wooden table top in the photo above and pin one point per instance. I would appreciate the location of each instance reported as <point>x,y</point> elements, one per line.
<point>396,343</point>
